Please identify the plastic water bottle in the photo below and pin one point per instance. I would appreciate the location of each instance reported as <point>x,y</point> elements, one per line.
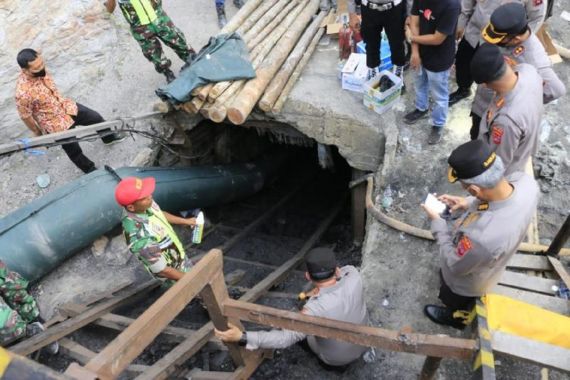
<point>198,229</point>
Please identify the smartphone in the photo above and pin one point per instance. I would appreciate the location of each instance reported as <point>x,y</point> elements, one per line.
<point>435,204</point>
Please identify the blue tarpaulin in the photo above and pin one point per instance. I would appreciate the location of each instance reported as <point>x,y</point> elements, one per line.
<point>224,58</point>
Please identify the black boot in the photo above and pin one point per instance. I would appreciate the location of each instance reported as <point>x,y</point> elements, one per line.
<point>221,16</point>
<point>414,116</point>
<point>443,316</point>
<point>459,94</point>
<point>169,76</point>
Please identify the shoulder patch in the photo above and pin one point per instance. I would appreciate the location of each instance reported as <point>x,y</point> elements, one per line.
<point>509,61</point>
<point>537,2</point>
<point>520,49</point>
<point>484,206</point>
<point>497,134</point>
<point>463,246</point>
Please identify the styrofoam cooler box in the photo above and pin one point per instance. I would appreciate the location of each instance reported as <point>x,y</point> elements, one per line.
<point>378,101</point>
<point>354,72</point>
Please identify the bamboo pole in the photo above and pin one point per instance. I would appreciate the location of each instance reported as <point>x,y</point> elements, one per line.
<point>244,102</point>
<point>256,16</point>
<point>240,17</point>
<point>278,83</point>
<point>255,40</point>
<point>297,73</point>
<point>195,104</point>
<point>263,49</point>
<point>267,18</point>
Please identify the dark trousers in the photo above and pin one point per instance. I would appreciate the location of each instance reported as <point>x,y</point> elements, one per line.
<point>463,57</point>
<point>85,116</point>
<point>392,20</point>
<point>475,121</point>
<point>453,300</point>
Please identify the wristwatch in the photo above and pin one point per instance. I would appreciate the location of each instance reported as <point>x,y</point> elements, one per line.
<point>243,340</point>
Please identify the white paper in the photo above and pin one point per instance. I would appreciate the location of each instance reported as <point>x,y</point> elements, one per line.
<point>565,15</point>
<point>433,203</point>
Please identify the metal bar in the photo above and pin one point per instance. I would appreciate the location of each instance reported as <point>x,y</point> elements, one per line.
<point>560,239</point>
<point>68,326</point>
<point>185,350</point>
<point>422,344</point>
<point>429,368</point>
<point>130,343</point>
<point>116,125</point>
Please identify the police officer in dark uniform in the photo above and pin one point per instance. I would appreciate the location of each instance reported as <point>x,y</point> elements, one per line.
<point>476,248</point>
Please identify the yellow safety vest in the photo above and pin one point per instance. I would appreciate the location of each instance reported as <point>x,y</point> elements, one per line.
<point>142,10</point>
<point>160,227</point>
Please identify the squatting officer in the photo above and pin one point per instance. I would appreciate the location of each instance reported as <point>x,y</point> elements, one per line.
<point>338,295</point>
<point>511,122</point>
<point>509,30</point>
<point>475,251</point>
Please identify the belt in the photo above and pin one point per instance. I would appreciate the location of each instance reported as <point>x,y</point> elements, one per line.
<point>378,7</point>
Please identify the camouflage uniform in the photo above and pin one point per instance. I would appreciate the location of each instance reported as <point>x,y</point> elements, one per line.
<point>17,306</point>
<point>156,26</point>
<point>153,241</point>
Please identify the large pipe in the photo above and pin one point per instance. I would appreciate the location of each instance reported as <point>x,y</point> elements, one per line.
<point>36,238</point>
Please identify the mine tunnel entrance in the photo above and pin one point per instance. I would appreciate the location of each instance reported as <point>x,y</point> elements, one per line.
<point>305,202</point>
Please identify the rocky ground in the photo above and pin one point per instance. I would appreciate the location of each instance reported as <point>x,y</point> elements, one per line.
<point>95,61</point>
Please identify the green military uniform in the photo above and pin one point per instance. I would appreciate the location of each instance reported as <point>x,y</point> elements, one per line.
<point>154,242</point>
<point>150,25</point>
<point>17,307</point>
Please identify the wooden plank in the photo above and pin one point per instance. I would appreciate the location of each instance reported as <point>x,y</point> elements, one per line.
<point>536,352</point>
<point>429,368</point>
<point>523,281</point>
<point>558,305</point>
<point>167,365</point>
<point>68,326</point>
<point>211,375</point>
<point>533,262</point>
<point>82,354</point>
<point>430,345</point>
<point>130,343</point>
<point>559,268</point>
<point>214,295</point>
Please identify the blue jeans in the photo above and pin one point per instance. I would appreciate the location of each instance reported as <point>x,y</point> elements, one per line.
<point>437,85</point>
<point>220,3</point>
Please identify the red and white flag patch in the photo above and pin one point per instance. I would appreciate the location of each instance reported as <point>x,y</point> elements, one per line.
<point>463,246</point>
<point>497,134</point>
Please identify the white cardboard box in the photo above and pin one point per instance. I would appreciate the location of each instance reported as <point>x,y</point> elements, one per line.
<point>377,101</point>
<point>354,72</point>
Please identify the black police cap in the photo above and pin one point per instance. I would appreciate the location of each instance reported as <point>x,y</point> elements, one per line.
<point>469,160</point>
<point>321,263</point>
<point>488,64</point>
<point>507,20</point>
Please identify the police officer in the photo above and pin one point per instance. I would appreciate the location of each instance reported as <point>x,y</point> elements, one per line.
<point>149,26</point>
<point>377,15</point>
<point>338,295</point>
<point>473,18</point>
<point>148,229</point>
<point>511,122</point>
<point>475,251</point>
<point>509,30</point>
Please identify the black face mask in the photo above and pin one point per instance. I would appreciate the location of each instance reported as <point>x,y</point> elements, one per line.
<point>41,73</point>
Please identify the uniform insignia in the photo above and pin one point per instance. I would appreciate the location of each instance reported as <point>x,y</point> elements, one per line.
<point>463,246</point>
<point>497,134</point>
<point>427,13</point>
<point>519,49</point>
<point>537,2</point>
<point>489,116</point>
<point>500,102</point>
<point>483,206</point>
<point>471,218</point>
<point>138,184</point>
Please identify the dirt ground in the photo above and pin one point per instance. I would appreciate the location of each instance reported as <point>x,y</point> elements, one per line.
<point>400,271</point>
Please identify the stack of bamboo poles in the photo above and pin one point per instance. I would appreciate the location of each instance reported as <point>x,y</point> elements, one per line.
<point>281,36</point>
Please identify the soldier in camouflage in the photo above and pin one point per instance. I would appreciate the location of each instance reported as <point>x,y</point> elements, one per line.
<point>19,313</point>
<point>148,230</point>
<point>149,26</point>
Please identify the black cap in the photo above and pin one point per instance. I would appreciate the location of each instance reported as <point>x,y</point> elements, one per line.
<point>321,263</point>
<point>469,160</point>
<point>507,20</point>
<point>488,64</point>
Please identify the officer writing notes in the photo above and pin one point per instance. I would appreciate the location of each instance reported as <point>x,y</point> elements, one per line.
<point>475,250</point>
